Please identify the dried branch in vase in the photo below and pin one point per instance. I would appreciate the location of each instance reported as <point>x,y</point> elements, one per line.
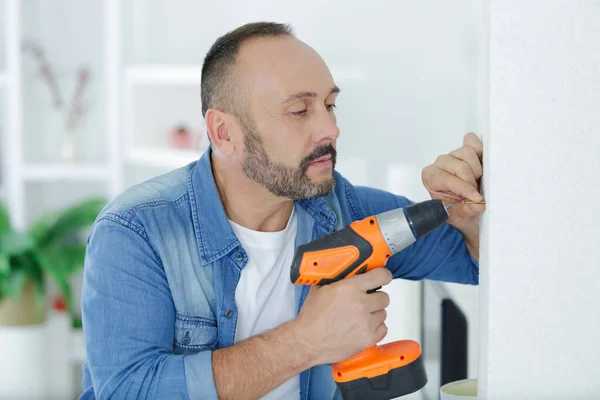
<point>45,70</point>
<point>74,115</point>
<point>77,109</point>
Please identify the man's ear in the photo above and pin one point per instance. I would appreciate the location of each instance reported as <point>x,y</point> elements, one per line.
<point>218,131</point>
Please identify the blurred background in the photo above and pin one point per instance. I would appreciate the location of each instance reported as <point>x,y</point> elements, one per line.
<point>98,95</point>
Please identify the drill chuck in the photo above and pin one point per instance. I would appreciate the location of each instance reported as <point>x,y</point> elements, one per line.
<point>426,216</point>
<point>401,227</point>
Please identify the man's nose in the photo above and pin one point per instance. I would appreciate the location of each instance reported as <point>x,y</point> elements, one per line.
<point>326,129</point>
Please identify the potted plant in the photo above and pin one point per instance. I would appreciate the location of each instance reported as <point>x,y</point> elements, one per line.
<point>52,247</point>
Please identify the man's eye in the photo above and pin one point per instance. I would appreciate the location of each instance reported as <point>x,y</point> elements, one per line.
<point>300,113</point>
<point>330,107</point>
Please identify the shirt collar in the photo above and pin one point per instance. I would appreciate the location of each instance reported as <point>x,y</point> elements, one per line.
<point>214,235</point>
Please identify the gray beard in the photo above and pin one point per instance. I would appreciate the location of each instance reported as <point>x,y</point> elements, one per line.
<point>279,179</point>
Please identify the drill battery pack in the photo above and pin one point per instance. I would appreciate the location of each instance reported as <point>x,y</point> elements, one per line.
<point>382,372</point>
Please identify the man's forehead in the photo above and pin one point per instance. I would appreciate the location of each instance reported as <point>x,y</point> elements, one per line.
<point>283,66</point>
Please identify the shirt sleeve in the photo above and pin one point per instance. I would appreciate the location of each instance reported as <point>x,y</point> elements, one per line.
<point>441,255</point>
<point>128,321</point>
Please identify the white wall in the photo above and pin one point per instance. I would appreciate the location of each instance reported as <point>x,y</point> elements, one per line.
<point>2,35</point>
<point>539,285</point>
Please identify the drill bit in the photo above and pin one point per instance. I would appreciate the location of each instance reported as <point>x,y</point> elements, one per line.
<point>450,205</point>
<point>473,202</point>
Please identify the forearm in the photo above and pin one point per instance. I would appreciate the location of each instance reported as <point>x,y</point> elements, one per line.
<point>256,366</point>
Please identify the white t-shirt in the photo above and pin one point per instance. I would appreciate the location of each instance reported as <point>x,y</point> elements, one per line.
<point>265,296</point>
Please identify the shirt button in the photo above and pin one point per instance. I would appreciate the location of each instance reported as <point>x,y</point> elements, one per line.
<point>228,313</point>
<point>239,256</point>
<point>324,215</point>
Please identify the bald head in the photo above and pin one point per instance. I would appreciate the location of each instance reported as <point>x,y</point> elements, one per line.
<point>218,86</point>
<point>259,57</point>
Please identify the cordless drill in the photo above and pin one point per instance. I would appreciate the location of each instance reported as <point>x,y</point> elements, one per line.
<point>393,369</point>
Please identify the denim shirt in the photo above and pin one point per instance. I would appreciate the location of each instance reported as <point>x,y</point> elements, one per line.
<point>161,269</point>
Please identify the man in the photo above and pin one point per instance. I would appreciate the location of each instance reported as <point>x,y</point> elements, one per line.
<point>187,291</point>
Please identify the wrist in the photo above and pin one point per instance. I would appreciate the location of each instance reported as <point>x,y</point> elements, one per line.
<point>470,232</point>
<point>473,249</point>
<point>303,343</point>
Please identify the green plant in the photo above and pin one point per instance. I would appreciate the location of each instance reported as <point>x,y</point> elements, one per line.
<point>53,246</point>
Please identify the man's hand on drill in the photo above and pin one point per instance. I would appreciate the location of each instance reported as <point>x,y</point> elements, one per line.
<point>342,319</point>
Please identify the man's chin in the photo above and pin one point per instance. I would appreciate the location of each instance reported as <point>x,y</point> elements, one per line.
<point>323,186</point>
<point>320,175</point>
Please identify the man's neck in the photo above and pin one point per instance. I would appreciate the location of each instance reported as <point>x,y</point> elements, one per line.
<point>249,204</point>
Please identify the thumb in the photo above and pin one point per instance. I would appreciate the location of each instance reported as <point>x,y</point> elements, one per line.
<point>313,289</point>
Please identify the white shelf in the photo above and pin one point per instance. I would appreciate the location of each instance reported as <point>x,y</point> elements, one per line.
<point>66,171</point>
<point>162,158</point>
<point>191,75</point>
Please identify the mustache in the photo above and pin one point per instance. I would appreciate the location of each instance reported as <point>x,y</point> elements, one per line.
<point>321,152</point>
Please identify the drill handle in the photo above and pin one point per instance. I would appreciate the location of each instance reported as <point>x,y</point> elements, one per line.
<point>342,254</point>
<point>330,258</point>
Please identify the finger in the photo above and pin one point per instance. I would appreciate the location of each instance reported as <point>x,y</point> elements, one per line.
<point>427,175</point>
<point>468,211</point>
<point>379,317</point>
<point>371,279</point>
<point>445,182</point>
<point>468,155</point>
<point>380,333</point>
<point>473,141</point>
<point>457,167</point>
<point>377,301</point>
<point>446,197</point>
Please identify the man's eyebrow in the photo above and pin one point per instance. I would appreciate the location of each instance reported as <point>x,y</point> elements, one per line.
<point>302,95</point>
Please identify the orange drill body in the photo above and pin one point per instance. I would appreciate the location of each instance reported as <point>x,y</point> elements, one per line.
<point>393,369</point>
<point>348,260</point>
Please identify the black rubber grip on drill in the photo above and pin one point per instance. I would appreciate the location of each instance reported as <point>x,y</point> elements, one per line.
<point>397,382</point>
<point>426,216</point>
<point>338,239</point>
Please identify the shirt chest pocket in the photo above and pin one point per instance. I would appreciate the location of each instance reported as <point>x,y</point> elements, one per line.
<point>193,334</point>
